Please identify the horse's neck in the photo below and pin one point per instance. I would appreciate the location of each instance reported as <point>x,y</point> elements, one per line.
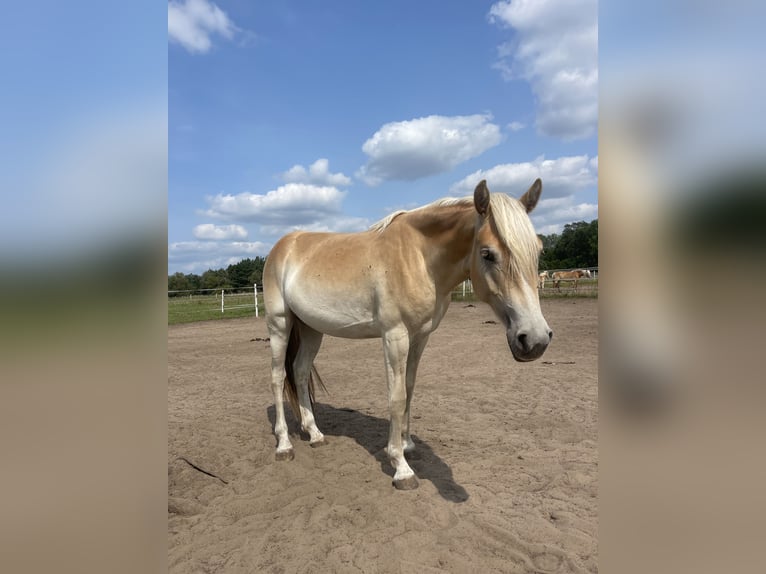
<point>449,232</point>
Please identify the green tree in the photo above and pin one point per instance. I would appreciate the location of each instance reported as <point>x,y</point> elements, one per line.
<point>577,246</point>
<point>571,249</point>
<point>549,243</point>
<point>195,281</point>
<point>246,272</point>
<point>593,244</point>
<point>178,282</point>
<point>215,279</point>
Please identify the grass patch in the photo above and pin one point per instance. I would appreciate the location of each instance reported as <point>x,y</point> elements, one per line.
<point>188,309</point>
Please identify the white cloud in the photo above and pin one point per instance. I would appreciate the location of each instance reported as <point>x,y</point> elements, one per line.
<point>417,148</point>
<point>199,256</point>
<point>193,22</point>
<point>289,204</point>
<point>318,173</point>
<point>555,49</point>
<point>516,126</point>
<point>551,215</point>
<point>219,232</point>
<point>561,177</point>
<point>290,207</point>
<point>336,224</point>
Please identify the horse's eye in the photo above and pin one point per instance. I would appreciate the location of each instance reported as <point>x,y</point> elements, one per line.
<point>487,255</point>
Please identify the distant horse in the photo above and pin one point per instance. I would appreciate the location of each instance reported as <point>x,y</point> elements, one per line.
<point>542,277</point>
<point>394,281</point>
<point>574,276</point>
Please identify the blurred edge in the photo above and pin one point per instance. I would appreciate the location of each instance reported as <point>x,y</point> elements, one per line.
<point>83,436</point>
<point>682,200</point>
<point>83,404</point>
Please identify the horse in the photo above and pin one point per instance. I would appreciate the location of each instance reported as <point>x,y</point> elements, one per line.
<point>394,282</point>
<point>542,277</point>
<point>574,276</point>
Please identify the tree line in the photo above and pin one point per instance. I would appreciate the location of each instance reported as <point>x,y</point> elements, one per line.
<point>240,275</point>
<point>575,246</point>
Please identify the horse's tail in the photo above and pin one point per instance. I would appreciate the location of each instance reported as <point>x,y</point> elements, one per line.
<point>291,391</point>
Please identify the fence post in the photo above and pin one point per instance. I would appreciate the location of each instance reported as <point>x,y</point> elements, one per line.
<point>463,289</point>
<point>221,300</point>
<point>255,294</point>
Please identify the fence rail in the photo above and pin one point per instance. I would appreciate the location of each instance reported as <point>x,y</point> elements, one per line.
<point>203,304</point>
<point>586,287</point>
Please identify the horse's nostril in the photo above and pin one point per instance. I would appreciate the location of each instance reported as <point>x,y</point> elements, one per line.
<point>522,337</point>
<point>550,335</point>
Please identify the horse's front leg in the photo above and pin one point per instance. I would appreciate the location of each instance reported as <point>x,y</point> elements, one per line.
<point>417,346</point>
<point>396,346</point>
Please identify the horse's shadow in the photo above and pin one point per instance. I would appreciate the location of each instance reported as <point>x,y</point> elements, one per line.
<point>372,433</point>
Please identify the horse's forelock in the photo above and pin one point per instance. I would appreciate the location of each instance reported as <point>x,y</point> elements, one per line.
<point>516,232</point>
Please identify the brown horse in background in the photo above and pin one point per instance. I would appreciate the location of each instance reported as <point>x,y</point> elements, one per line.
<point>574,276</point>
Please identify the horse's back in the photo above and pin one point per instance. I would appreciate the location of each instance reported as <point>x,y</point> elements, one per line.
<point>352,285</point>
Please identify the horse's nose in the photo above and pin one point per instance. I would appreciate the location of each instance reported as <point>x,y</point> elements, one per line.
<point>530,347</point>
<point>525,344</point>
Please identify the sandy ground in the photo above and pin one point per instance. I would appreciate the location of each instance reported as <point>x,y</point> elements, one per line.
<point>507,454</point>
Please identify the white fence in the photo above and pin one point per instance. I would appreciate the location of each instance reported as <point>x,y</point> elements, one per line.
<point>205,301</point>
<point>585,286</point>
<point>463,292</point>
<point>217,299</point>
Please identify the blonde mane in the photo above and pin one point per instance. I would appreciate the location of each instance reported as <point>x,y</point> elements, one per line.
<point>511,220</point>
<point>444,202</point>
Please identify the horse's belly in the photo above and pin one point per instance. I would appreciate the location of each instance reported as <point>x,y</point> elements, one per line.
<point>348,318</point>
<point>351,330</point>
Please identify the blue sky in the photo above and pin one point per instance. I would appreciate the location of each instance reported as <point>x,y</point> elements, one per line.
<point>83,128</point>
<point>327,116</point>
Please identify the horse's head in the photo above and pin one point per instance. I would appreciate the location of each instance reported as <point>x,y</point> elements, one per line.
<point>504,267</point>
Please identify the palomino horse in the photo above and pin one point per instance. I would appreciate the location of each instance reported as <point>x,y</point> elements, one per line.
<point>394,281</point>
<point>542,276</point>
<point>558,276</point>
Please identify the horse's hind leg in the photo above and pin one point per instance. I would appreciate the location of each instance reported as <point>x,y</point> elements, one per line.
<point>311,340</point>
<point>279,332</point>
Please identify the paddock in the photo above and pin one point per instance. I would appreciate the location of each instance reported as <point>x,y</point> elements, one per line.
<point>506,454</point>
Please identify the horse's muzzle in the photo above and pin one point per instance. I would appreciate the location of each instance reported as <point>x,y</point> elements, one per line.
<point>528,346</point>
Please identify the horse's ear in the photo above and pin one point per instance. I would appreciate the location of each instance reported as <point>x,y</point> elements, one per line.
<point>530,198</point>
<point>481,198</point>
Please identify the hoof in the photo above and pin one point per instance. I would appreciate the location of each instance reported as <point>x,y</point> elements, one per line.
<point>409,483</point>
<point>318,443</point>
<point>285,454</point>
